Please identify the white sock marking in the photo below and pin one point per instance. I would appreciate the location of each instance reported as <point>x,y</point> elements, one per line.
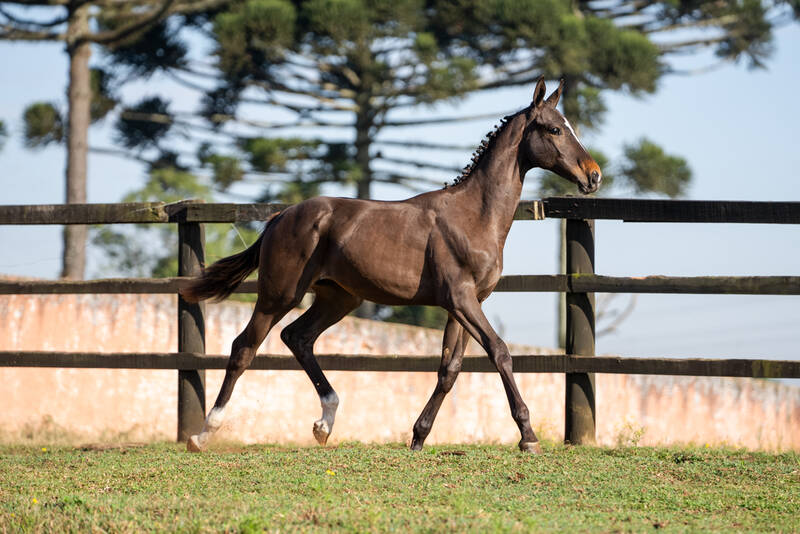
<point>329,403</point>
<point>212,424</point>
<point>323,427</point>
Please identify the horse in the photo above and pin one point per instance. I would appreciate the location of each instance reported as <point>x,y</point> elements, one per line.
<point>440,248</point>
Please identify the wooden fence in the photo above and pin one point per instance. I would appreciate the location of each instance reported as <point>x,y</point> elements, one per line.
<point>580,283</point>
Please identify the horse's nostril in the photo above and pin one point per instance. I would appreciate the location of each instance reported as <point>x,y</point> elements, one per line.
<point>596,177</point>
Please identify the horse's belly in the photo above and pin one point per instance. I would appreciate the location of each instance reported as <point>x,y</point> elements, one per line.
<point>378,275</point>
<point>381,265</point>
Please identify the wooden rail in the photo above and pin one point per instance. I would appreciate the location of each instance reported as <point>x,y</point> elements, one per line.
<point>674,211</point>
<point>565,283</point>
<point>523,363</point>
<point>580,284</point>
<point>630,210</point>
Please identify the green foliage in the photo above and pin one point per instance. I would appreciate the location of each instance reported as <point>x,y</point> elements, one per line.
<point>43,125</point>
<point>337,164</point>
<point>648,169</point>
<point>158,48</point>
<point>227,170</point>
<point>151,250</point>
<point>144,124</point>
<point>362,59</point>
<point>291,192</point>
<point>749,34</point>
<point>644,168</point>
<point>103,101</point>
<point>425,316</point>
<point>340,21</point>
<point>585,107</point>
<point>253,35</point>
<point>387,488</point>
<point>746,25</point>
<point>622,58</point>
<point>273,154</point>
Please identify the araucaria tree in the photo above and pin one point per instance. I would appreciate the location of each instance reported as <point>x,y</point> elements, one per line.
<point>349,66</point>
<point>79,24</point>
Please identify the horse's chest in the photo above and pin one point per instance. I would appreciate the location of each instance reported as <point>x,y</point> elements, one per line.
<point>487,279</point>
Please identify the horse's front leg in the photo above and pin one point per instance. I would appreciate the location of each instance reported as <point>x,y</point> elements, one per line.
<point>467,311</point>
<point>453,345</point>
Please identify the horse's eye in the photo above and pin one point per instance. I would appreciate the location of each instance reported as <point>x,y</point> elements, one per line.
<point>554,130</point>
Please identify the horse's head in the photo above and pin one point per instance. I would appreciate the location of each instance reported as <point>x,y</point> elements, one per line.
<point>550,142</point>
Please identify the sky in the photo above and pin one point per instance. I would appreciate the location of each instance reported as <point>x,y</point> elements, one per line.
<point>737,128</point>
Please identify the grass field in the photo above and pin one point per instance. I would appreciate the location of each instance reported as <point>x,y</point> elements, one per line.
<point>367,488</point>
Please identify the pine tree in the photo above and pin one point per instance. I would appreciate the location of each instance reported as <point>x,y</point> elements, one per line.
<point>72,22</point>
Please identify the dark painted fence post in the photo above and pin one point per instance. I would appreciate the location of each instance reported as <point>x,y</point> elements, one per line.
<point>191,333</point>
<point>580,410</point>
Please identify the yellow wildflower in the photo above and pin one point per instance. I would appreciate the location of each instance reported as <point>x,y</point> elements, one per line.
<point>34,501</point>
<point>329,472</point>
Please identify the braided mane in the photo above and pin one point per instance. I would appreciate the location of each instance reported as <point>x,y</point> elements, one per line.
<point>486,143</point>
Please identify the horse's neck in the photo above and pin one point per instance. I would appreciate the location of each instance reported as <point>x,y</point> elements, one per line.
<point>495,185</point>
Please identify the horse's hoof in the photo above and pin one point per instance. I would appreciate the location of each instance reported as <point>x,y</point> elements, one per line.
<point>321,431</point>
<point>532,447</point>
<point>416,446</point>
<point>193,444</point>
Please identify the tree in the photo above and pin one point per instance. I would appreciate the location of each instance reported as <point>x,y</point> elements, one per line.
<point>349,66</point>
<point>71,22</point>
<point>152,249</point>
<point>735,31</point>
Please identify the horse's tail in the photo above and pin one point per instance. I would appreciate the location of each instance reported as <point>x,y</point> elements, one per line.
<point>221,279</point>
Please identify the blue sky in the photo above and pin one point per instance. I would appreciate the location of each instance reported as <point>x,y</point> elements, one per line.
<point>737,128</point>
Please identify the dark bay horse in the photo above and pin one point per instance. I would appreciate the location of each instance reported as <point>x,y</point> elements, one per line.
<point>442,248</point>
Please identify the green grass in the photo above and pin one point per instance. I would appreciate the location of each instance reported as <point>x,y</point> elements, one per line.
<point>367,488</point>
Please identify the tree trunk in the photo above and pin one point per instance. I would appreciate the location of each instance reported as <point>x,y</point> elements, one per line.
<point>363,144</point>
<point>368,309</point>
<point>79,97</point>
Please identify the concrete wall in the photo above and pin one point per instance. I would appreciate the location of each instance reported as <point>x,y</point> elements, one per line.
<point>280,406</point>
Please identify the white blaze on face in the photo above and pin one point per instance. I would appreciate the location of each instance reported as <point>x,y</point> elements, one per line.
<point>574,135</point>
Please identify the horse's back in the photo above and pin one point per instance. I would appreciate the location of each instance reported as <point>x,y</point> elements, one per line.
<point>375,249</point>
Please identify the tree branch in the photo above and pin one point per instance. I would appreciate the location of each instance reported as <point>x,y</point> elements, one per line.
<point>11,33</point>
<point>674,48</point>
<point>703,23</point>
<point>26,22</point>
<point>132,27</point>
<point>419,164</point>
<point>445,120</point>
<point>420,144</point>
<point>39,2</point>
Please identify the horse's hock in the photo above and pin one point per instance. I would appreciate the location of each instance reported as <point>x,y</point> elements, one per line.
<point>279,406</point>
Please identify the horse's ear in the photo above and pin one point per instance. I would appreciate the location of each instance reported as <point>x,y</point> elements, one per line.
<point>553,99</point>
<point>539,92</point>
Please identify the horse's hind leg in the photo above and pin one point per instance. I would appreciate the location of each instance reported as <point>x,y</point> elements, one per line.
<point>331,304</point>
<point>454,343</point>
<point>242,352</point>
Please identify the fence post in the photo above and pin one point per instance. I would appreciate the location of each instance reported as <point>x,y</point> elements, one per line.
<point>191,333</point>
<point>579,407</point>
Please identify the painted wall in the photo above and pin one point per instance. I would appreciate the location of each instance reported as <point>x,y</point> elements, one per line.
<point>280,406</point>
